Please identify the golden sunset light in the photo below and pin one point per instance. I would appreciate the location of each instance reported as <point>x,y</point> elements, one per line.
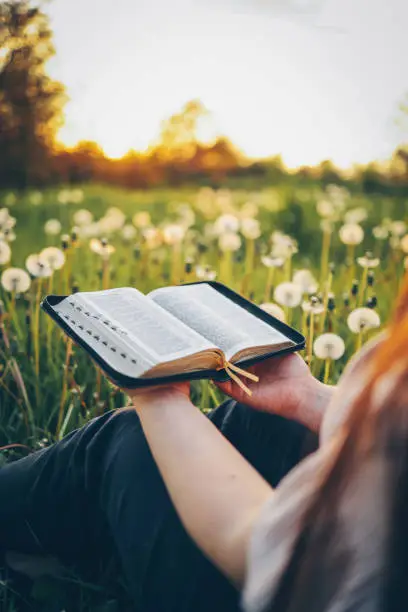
<point>308,88</point>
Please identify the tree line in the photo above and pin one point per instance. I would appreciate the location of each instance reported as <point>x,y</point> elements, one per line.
<point>31,113</point>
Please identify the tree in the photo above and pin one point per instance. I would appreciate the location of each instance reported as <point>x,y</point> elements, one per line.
<point>179,136</point>
<point>31,102</point>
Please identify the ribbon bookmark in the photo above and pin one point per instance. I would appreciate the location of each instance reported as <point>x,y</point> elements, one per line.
<point>232,371</point>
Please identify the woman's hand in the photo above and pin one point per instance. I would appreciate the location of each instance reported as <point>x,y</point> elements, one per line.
<point>287,388</point>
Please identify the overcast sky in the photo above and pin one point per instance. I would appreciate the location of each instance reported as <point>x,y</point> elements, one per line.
<point>311,79</point>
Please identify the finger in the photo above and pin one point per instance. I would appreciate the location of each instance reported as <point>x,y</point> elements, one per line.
<point>229,388</point>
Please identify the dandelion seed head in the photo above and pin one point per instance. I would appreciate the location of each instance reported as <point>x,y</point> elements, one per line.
<point>113,221</point>
<point>64,196</point>
<point>5,253</point>
<point>250,228</point>
<point>325,208</point>
<point>52,257</point>
<point>356,215</point>
<point>141,219</point>
<point>398,228</point>
<point>329,346</point>
<point>288,294</point>
<point>205,273</point>
<point>15,280</point>
<point>351,234</point>
<point>226,224</point>
<point>7,235</point>
<point>186,215</point>
<point>77,196</point>
<point>37,267</point>
<point>128,232</point>
<point>305,280</point>
<point>7,222</point>
<point>152,237</point>
<point>82,217</point>
<point>229,241</point>
<point>380,232</point>
<point>101,247</point>
<point>313,306</point>
<point>338,195</point>
<point>249,210</point>
<point>362,319</point>
<point>52,227</point>
<point>36,198</point>
<point>272,262</point>
<point>174,234</point>
<point>274,310</point>
<point>368,261</point>
<point>283,245</point>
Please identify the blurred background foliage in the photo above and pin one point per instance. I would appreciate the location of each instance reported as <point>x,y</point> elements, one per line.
<point>32,111</point>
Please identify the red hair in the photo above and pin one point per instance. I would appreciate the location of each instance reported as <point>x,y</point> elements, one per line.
<point>377,426</point>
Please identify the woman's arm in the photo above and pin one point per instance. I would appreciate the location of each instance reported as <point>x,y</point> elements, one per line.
<point>216,492</point>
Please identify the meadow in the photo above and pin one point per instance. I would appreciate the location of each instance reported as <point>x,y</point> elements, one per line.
<point>326,260</point>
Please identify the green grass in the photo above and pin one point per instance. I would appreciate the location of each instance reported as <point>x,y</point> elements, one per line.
<point>38,409</point>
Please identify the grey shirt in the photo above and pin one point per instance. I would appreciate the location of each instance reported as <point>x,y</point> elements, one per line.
<point>360,515</point>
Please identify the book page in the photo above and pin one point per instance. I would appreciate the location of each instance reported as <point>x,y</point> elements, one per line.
<point>144,328</point>
<point>105,342</point>
<point>217,318</point>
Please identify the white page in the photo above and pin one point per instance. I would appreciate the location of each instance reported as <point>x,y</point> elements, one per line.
<point>145,326</point>
<point>217,318</point>
<point>106,343</point>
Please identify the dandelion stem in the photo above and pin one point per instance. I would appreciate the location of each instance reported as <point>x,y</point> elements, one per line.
<point>327,365</point>
<point>105,273</point>
<point>363,286</point>
<point>36,331</point>
<point>269,284</point>
<point>350,257</point>
<point>49,328</point>
<point>327,290</point>
<point>359,341</point>
<point>213,394</point>
<point>311,334</point>
<point>227,267</point>
<point>288,268</point>
<point>175,264</point>
<point>205,399</point>
<point>98,385</point>
<point>144,260</point>
<point>64,386</point>
<point>249,263</point>
<point>68,271</point>
<point>14,316</point>
<point>324,264</point>
<point>304,323</point>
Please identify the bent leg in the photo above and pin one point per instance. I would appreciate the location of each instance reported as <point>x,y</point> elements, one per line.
<point>99,490</point>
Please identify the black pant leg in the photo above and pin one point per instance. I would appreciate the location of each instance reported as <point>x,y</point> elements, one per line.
<point>272,444</point>
<point>100,487</point>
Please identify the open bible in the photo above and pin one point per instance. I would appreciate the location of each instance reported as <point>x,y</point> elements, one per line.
<point>198,330</point>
